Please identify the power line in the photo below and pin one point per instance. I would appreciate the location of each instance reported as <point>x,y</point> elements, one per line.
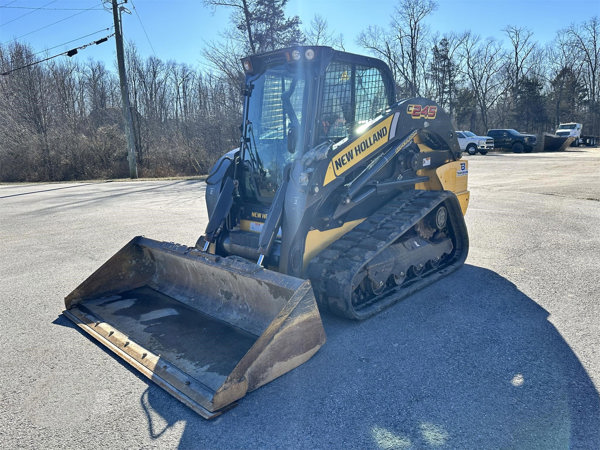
<point>26,14</point>
<point>69,53</point>
<point>49,9</point>
<point>143,28</point>
<point>48,26</point>
<point>73,40</point>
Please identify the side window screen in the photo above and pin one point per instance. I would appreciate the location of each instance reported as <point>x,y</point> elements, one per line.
<point>337,101</point>
<point>274,121</point>
<point>370,94</point>
<point>352,95</point>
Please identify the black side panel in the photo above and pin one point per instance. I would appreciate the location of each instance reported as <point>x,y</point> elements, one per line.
<point>434,125</point>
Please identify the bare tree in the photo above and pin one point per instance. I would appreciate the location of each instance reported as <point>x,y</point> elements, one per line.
<point>410,32</point>
<point>319,34</point>
<point>61,120</point>
<point>242,17</point>
<point>483,67</point>
<point>404,47</point>
<point>523,46</point>
<point>585,38</point>
<point>565,77</point>
<point>518,65</point>
<point>382,45</point>
<point>225,57</point>
<point>261,25</point>
<point>183,78</point>
<point>443,72</point>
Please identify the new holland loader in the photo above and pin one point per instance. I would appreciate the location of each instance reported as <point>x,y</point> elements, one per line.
<point>339,199</point>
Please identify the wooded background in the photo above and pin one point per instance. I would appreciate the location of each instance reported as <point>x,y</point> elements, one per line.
<point>62,119</point>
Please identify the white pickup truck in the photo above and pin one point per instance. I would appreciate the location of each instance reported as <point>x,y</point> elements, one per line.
<point>471,143</point>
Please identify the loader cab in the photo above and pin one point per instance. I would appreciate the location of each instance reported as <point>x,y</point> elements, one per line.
<point>298,98</point>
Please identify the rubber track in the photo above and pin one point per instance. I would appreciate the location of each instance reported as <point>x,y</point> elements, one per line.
<point>333,271</point>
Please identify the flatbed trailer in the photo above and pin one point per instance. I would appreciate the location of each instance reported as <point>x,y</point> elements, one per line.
<point>589,141</point>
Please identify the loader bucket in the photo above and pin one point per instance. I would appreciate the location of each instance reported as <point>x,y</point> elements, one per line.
<point>205,328</point>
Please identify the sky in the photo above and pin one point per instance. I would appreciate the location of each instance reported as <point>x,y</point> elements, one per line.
<point>178,29</point>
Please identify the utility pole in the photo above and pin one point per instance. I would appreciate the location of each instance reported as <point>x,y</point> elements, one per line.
<point>124,93</point>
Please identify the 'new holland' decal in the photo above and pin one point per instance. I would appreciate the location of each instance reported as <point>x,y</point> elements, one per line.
<point>359,149</point>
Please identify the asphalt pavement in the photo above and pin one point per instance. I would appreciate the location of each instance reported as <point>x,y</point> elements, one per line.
<point>504,353</point>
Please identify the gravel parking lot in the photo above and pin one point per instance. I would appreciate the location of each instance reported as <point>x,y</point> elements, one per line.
<point>504,353</point>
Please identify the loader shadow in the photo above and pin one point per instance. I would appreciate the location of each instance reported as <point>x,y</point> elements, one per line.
<point>470,362</point>
<point>44,190</point>
<point>77,200</point>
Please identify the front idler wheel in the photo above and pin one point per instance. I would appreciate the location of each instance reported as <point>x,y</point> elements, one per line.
<point>441,218</point>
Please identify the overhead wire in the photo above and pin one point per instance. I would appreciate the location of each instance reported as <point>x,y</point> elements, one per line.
<point>49,25</point>
<point>49,9</point>
<point>73,40</point>
<point>69,53</point>
<point>27,13</point>
<point>143,28</point>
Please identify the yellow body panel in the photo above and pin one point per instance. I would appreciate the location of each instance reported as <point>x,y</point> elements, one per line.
<point>316,240</point>
<point>452,176</point>
<point>251,225</point>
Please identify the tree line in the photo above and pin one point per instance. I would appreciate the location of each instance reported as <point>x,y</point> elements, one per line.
<point>62,119</point>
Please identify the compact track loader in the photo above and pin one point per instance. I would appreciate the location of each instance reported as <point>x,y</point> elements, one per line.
<point>338,196</point>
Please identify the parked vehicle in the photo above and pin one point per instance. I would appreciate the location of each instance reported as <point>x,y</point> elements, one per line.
<point>471,143</point>
<point>512,139</point>
<point>570,129</point>
<point>573,129</point>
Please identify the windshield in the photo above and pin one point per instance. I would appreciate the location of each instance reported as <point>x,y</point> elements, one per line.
<point>469,133</point>
<point>274,121</point>
<point>567,126</point>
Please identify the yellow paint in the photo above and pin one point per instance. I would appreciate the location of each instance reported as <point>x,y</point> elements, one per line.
<point>452,176</point>
<point>247,225</point>
<point>463,199</point>
<point>316,240</point>
<point>422,147</point>
<point>358,150</point>
<point>434,183</point>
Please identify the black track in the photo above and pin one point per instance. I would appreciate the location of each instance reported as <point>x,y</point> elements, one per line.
<point>336,271</point>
